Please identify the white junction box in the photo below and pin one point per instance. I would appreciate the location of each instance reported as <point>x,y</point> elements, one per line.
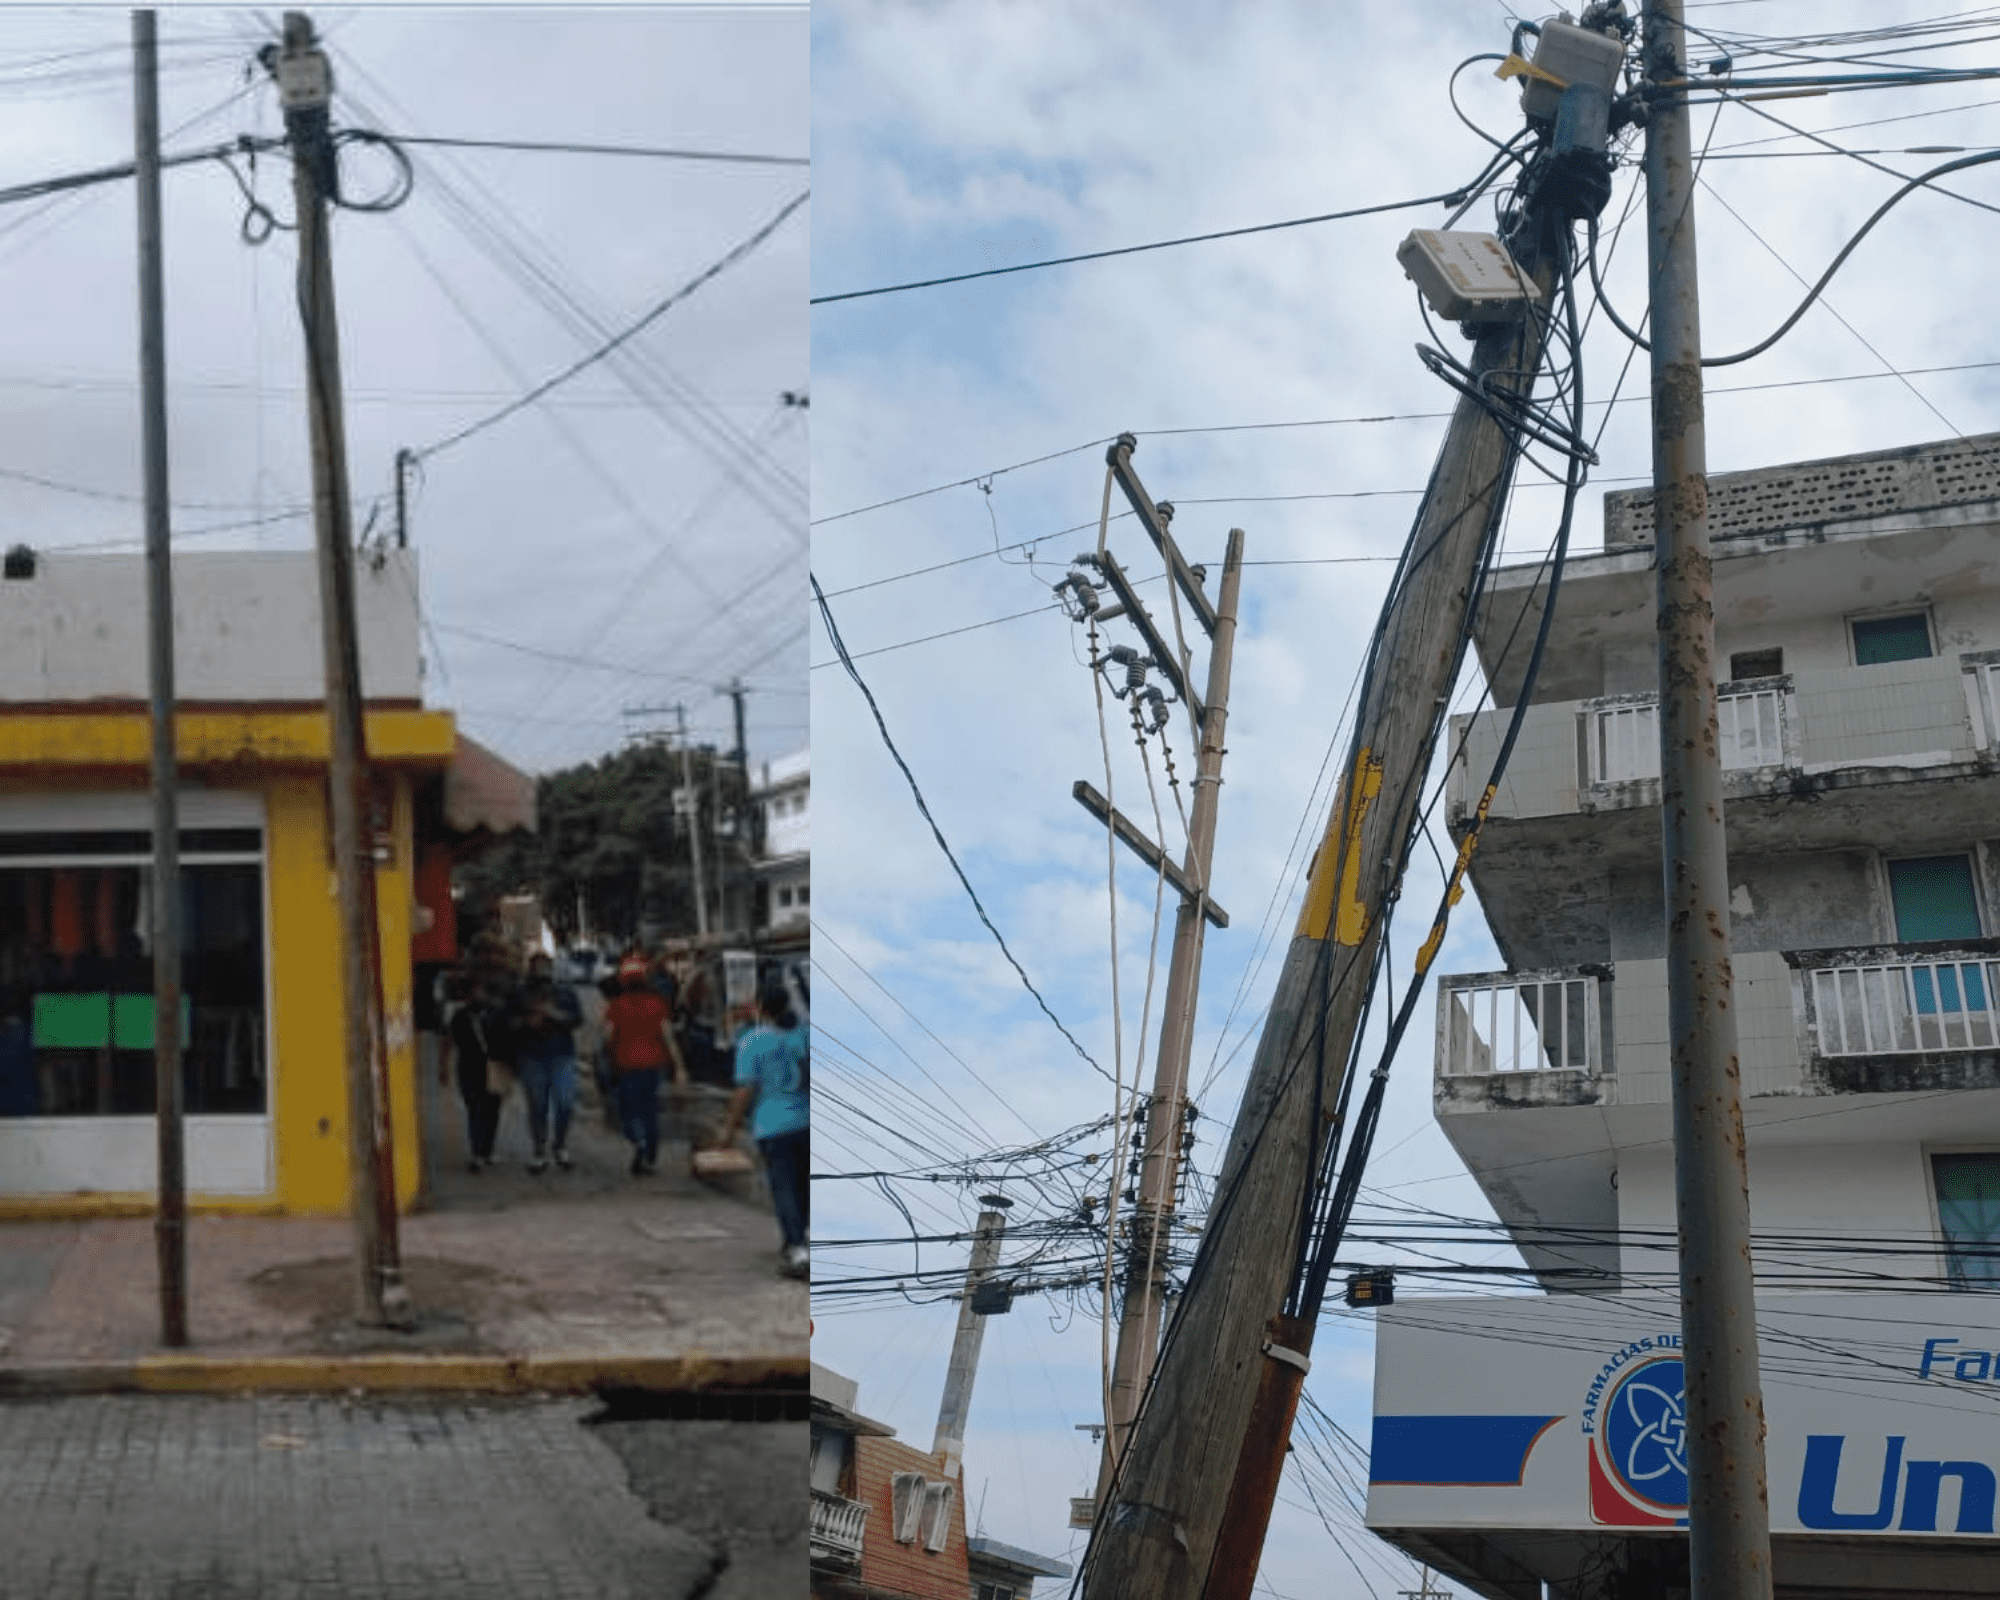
<point>1468,277</point>
<point>1569,54</point>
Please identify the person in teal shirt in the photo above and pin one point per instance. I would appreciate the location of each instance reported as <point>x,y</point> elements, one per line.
<point>771,1084</point>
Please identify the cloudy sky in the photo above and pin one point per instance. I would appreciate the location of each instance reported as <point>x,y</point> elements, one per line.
<point>635,540</point>
<point>1272,382</point>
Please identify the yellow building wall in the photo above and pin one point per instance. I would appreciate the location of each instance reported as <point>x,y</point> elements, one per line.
<point>308,1067</point>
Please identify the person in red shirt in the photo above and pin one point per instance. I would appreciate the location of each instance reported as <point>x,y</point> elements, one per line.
<point>639,1041</point>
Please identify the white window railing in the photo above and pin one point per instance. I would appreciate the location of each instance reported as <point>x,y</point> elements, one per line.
<point>1986,690</point>
<point>1625,739</point>
<point>1906,1007</point>
<point>837,1522</point>
<point>1521,1024</point>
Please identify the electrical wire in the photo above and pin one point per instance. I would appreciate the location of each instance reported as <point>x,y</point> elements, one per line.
<point>715,269</point>
<point>1450,198</point>
<point>558,147</point>
<point>847,661</point>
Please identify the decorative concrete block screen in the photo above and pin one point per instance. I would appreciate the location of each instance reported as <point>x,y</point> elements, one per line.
<point>1811,493</point>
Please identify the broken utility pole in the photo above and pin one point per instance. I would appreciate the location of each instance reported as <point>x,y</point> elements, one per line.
<point>1192,1498</point>
<point>948,1445</point>
<point>1729,1532</point>
<point>305,88</point>
<point>170,1223</point>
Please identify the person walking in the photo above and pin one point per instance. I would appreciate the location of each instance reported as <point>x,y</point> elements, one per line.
<point>543,1020</point>
<point>771,1079</point>
<point>469,1021</point>
<point>639,1043</point>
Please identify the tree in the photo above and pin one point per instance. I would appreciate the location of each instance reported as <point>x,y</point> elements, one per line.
<point>612,853</point>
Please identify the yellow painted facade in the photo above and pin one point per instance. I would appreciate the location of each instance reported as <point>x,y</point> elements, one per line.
<point>280,757</point>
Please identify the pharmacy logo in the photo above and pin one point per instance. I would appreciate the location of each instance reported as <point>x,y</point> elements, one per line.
<point>1637,1422</point>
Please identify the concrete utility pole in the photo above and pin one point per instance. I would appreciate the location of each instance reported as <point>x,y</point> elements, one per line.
<point>1729,1532</point>
<point>1208,1446</point>
<point>305,88</point>
<point>1153,1213</point>
<point>742,834</point>
<point>949,1442</point>
<point>170,1224</point>
<point>694,825</point>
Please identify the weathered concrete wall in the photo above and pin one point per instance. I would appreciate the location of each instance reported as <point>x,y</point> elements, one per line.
<point>1798,902</point>
<point>246,628</point>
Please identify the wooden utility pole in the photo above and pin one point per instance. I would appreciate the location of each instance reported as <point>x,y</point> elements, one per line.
<point>1153,1212</point>
<point>948,1444</point>
<point>305,88</point>
<point>170,1223</point>
<point>1729,1531</point>
<point>1206,1451</point>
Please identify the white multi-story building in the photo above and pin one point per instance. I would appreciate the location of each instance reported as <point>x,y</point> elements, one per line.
<point>784,865</point>
<point>1540,1440</point>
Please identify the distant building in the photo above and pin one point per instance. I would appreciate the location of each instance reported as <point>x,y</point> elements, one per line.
<point>1531,1441</point>
<point>888,1521</point>
<point>783,865</point>
<point>265,1079</point>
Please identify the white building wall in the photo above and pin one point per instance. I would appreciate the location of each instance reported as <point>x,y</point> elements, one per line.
<point>1810,1193</point>
<point>246,628</point>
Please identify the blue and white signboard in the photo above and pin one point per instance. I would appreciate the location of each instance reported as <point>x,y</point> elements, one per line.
<point>1569,1412</point>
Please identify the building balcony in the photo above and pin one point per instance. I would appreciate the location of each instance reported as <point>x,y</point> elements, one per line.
<point>1829,729</point>
<point>835,1530</point>
<point>1556,1087</point>
<point>1598,1033</point>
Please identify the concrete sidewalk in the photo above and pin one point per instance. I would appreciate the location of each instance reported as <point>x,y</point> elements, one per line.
<point>523,1283</point>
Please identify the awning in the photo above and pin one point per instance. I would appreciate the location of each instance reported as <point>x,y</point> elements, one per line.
<point>483,792</point>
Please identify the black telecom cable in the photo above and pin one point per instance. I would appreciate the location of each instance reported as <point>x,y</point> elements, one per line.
<point>847,661</point>
<point>1920,181</point>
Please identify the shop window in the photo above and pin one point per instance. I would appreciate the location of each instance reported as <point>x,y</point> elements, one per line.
<point>76,980</point>
<point>1968,1202</point>
<point>1879,639</point>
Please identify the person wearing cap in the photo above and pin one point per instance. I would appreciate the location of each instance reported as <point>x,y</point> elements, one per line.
<point>639,1041</point>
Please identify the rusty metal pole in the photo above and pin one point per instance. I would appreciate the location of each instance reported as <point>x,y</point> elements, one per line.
<point>170,1222</point>
<point>1152,1216</point>
<point>1729,1535</point>
<point>305,86</point>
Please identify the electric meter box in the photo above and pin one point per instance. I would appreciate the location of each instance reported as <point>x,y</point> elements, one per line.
<point>1575,55</point>
<point>1468,277</point>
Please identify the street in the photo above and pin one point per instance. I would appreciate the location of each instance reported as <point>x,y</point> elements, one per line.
<point>133,1497</point>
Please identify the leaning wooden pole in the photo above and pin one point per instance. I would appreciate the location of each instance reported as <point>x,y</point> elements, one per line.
<point>1219,1411</point>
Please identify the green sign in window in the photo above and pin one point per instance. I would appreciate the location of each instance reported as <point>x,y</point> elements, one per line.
<point>72,1021</point>
<point>92,1021</point>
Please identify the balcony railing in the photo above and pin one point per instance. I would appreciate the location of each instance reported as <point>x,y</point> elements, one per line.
<point>836,1527</point>
<point>1906,1007</point>
<point>1625,739</point>
<point>1523,1023</point>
